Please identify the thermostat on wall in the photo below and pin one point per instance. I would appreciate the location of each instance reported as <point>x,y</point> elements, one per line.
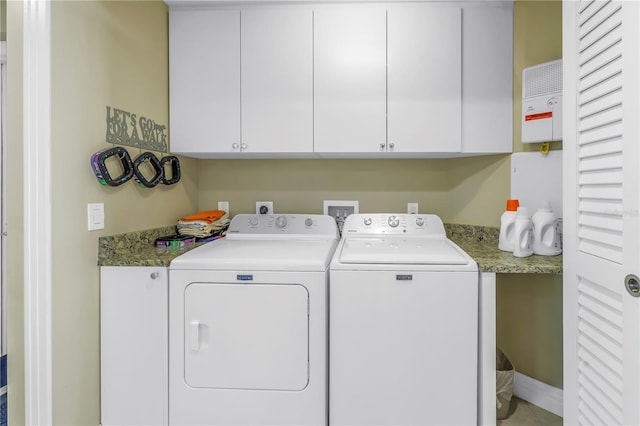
<point>542,102</point>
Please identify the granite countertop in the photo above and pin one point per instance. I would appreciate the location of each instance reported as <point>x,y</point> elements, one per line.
<point>137,249</point>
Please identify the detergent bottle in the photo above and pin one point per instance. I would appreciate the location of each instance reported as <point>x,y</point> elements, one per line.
<point>507,222</point>
<point>547,239</point>
<point>523,232</point>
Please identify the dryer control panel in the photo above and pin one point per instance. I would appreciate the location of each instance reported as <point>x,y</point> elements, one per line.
<point>283,225</point>
<point>391,223</point>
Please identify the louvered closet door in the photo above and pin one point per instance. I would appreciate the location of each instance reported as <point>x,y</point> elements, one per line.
<point>602,325</point>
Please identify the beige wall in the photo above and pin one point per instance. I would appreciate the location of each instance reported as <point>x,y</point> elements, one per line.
<point>103,54</point>
<point>14,199</point>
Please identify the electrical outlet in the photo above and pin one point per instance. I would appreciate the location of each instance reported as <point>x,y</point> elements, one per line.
<point>339,210</point>
<point>264,207</point>
<point>412,208</point>
<point>224,206</point>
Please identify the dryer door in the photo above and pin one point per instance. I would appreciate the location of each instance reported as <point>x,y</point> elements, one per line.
<point>246,336</point>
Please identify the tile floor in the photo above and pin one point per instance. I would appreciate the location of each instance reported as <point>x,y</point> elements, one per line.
<point>523,413</point>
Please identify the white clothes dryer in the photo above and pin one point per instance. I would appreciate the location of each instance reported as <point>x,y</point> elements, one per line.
<point>403,324</point>
<point>248,324</point>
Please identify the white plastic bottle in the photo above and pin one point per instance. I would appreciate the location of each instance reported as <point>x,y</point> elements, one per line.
<point>507,222</point>
<point>523,232</point>
<point>546,238</point>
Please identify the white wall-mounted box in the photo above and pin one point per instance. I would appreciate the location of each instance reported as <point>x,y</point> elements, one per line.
<point>542,102</point>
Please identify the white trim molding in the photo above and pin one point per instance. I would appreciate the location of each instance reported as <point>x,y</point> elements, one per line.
<point>37,211</point>
<point>538,393</point>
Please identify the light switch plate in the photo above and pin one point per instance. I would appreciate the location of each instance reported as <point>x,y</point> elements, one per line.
<point>95,216</point>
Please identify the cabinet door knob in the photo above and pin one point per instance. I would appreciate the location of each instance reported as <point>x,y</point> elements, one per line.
<point>383,145</point>
<point>154,275</point>
<point>243,146</point>
<point>235,145</point>
<point>392,145</point>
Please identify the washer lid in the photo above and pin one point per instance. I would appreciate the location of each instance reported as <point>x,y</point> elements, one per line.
<point>432,250</point>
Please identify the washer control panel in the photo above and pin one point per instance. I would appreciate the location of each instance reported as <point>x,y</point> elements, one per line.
<point>270,225</point>
<point>389,223</point>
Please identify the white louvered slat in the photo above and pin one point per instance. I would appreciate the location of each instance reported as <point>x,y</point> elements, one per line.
<point>613,239</point>
<point>602,162</point>
<point>602,133</point>
<point>603,75</point>
<point>610,391</point>
<point>589,17</point>
<point>612,349</point>
<point>604,251</point>
<point>608,207</point>
<point>589,364</point>
<point>597,411</point>
<point>600,41</point>
<point>602,148</point>
<point>603,117</point>
<point>609,329</point>
<point>612,98</point>
<point>601,221</point>
<point>603,192</point>
<point>606,401</point>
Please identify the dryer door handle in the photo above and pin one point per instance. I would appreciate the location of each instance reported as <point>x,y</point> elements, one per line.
<point>194,335</point>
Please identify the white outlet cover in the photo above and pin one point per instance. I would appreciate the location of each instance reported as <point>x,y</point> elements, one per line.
<point>268,204</point>
<point>340,203</point>
<point>95,216</point>
<point>223,205</point>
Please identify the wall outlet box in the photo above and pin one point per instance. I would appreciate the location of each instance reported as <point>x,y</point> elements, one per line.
<point>412,208</point>
<point>264,207</point>
<point>339,210</point>
<point>224,206</point>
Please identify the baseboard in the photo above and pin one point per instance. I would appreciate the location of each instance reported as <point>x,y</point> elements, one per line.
<point>538,393</point>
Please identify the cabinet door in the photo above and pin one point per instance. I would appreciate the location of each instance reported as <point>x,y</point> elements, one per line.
<point>134,345</point>
<point>277,80</point>
<point>350,79</point>
<point>424,78</point>
<point>487,79</point>
<point>204,77</point>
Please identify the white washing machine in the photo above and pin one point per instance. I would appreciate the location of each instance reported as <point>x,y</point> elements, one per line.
<point>403,324</point>
<point>248,324</point>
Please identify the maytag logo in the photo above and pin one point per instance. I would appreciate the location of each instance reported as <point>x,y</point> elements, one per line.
<point>242,277</point>
<point>404,277</point>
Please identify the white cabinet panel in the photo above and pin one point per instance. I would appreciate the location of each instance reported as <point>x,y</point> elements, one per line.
<point>424,79</point>
<point>277,80</point>
<point>204,77</point>
<point>133,345</point>
<point>350,79</point>
<point>487,79</point>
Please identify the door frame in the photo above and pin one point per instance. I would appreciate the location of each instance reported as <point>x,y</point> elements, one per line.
<point>37,253</point>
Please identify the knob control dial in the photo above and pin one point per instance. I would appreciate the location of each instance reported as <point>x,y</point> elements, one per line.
<point>419,221</point>
<point>281,221</point>
<point>308,222</point>
<point>393,221</point>
<point>367,221</point>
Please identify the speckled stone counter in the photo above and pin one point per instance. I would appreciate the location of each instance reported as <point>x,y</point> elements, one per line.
<point>137,249</point>
<point>481,243</point>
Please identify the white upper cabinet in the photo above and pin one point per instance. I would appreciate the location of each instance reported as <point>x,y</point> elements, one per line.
<point>204,81</point>
<point>424,79</point>
<point>277,80</point>
<point>350,79</point>
<point>487,79</point>
<point>400,79</point>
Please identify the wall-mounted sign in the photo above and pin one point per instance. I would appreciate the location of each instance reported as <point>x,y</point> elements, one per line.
<point>126,128</point>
